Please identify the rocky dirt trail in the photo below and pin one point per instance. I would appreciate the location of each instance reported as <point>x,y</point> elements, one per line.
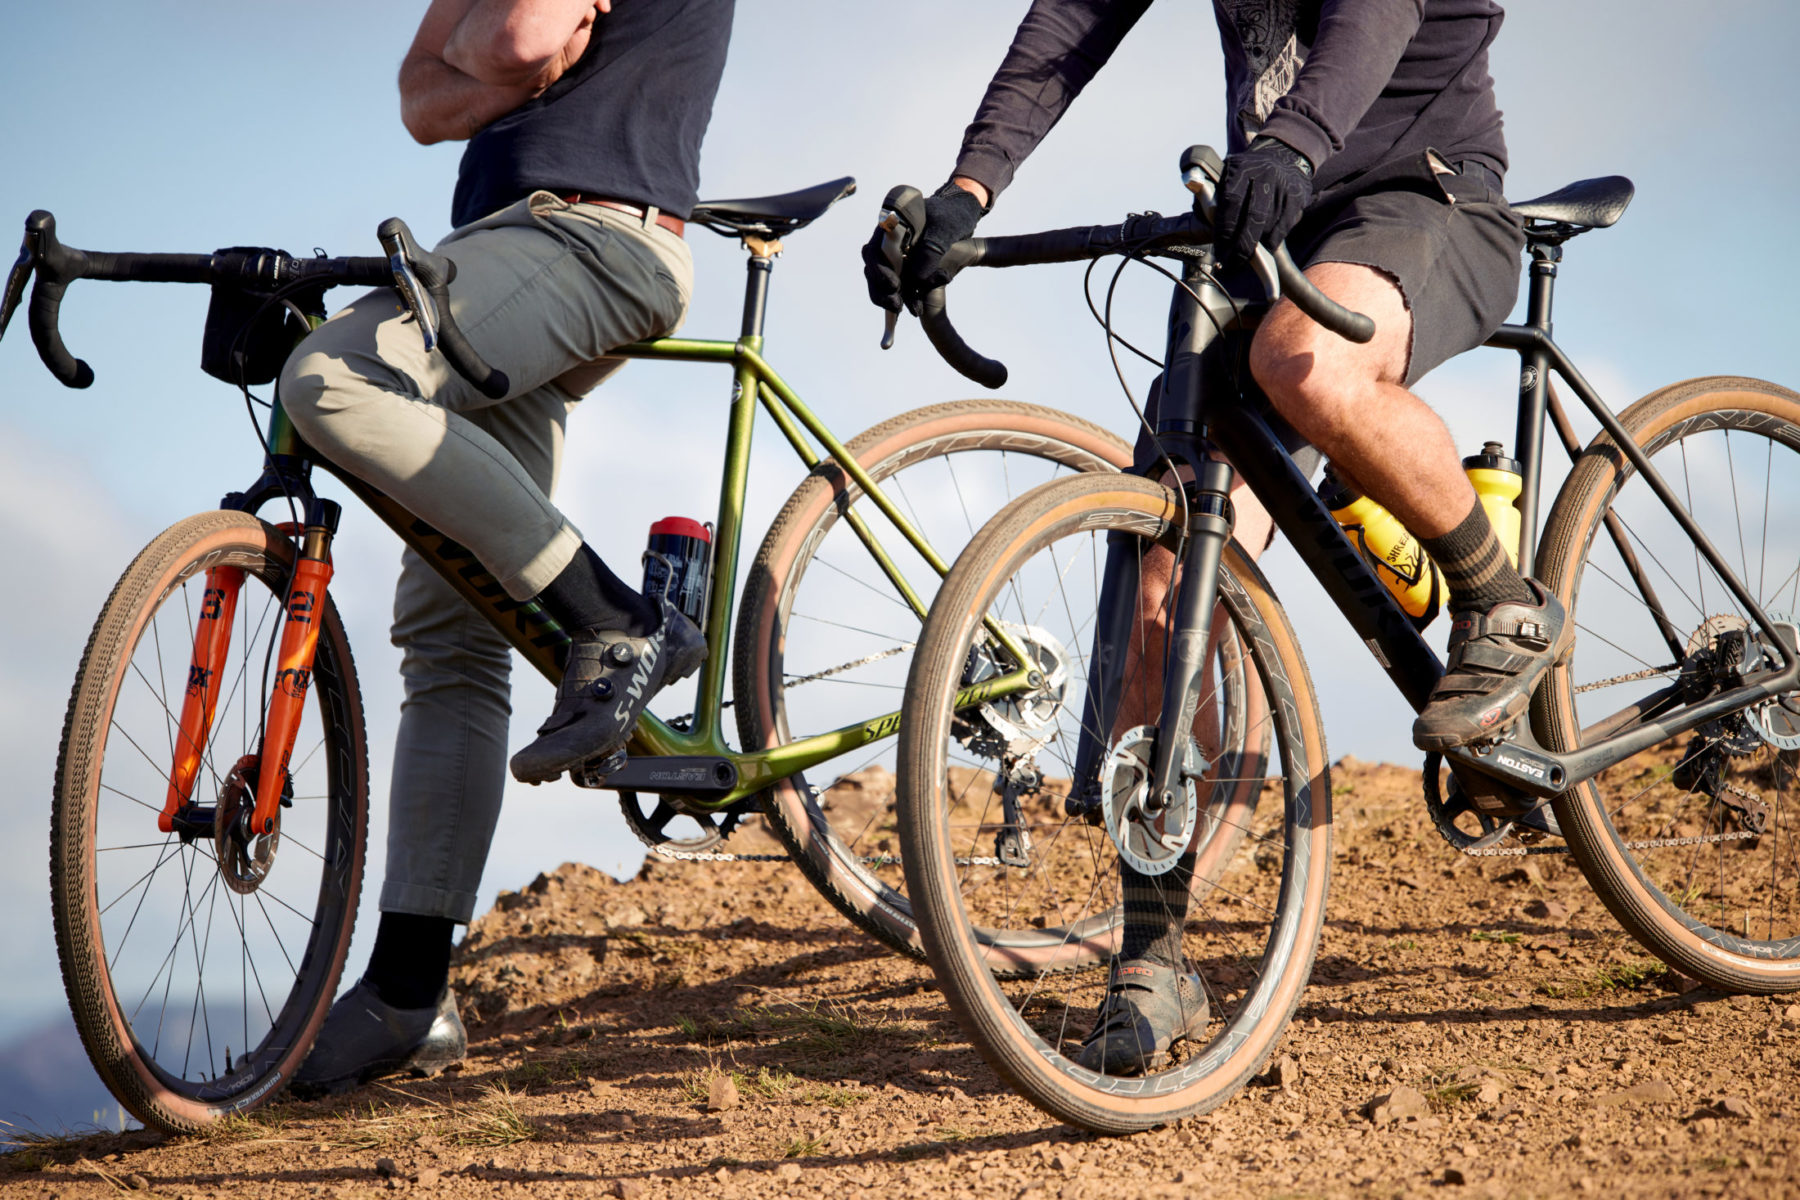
<point>1474,1027</point>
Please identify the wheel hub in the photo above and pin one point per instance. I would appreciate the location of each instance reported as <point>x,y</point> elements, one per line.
<point>1151,841</point>
<point>1019,725</point>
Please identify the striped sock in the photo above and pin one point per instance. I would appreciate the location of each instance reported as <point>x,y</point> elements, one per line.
<point>1155,908</point>
<point>1475,566</point>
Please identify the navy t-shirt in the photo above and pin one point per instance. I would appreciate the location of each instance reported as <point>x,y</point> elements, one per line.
<point>625,121</point>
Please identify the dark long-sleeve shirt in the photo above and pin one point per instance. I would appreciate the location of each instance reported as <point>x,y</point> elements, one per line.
<point>1348,83</point>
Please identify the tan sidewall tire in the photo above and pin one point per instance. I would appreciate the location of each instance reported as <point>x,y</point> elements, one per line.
<point>230,538</point>
<point>1568,533</point>
<point>1005,1041</point>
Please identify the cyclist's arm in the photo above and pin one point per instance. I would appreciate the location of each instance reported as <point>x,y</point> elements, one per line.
<point>450,92</point>
<point>1060,46</point>
<point>1352,59</point>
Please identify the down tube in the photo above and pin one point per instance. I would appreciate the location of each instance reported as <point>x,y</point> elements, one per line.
<point>1383,627</point>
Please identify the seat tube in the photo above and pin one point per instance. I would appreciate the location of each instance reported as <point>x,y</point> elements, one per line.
<point>1534,398</point>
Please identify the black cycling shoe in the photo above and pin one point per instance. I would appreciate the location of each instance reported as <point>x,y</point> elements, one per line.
<point>609,679</point>
<point>1496,661</point>
<point>365,1038</point>
<point>1148,1008</point>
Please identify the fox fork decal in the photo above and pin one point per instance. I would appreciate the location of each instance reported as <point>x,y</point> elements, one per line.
<point>212,641</point>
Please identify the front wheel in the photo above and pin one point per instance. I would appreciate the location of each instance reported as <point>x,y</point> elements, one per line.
<point>1694,844</point>
<point>1055,918</point>
<point>199,968</point>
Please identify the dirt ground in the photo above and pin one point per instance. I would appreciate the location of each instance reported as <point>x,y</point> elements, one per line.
<point>716,1030</point>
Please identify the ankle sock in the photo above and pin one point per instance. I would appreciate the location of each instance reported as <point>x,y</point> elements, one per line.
<point>1475,566</point>
<point>586,596</point>
<point>1155,910</point>
<point>410,965</point>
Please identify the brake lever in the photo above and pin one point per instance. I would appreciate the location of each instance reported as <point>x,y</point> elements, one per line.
<point>407,283</point>
<point>893,247</point>
<point>16,279</point>
<point>1205,188</point>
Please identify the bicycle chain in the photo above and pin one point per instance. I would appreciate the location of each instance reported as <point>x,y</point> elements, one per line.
<point>1646,844</point>
<point>867,860</point>
<point>1649,673</point>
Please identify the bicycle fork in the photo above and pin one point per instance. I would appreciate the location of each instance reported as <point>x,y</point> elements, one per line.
<point>303,609</point>
<point>1190,635</point>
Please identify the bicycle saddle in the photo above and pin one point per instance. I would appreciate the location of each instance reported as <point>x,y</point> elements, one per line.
<point>1582,205</point>
<point>772,216</point>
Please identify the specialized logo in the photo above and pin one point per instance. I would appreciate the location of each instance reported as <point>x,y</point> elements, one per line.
<point>640,678</point>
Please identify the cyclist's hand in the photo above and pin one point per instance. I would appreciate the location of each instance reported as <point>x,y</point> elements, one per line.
<point>950,216</point>
<point>1262,194</point>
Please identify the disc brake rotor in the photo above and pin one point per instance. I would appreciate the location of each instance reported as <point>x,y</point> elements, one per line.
<point>1150,842</point>
<point>1777,721</point>
<point>1023,723</point>
<point>244,861</point>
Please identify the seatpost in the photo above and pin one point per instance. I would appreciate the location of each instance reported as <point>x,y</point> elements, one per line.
<point>1534,388</point>
<point>756,282</point>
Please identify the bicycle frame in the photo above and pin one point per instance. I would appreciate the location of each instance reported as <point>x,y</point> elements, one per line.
<point>696,762</point>
<point>1201,367</point>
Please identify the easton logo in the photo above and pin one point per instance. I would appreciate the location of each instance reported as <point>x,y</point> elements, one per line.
<point>1521,766</point>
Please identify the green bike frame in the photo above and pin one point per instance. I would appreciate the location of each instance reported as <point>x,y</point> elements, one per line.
<point>537,636</point>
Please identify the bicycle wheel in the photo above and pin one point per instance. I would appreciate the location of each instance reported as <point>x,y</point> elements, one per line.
<point>824,637</point>
<point>198,979</point>
<point>1693,845</point>
<point>1252,934</point>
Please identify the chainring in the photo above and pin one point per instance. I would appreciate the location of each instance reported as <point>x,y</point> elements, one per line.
<point>1151,843</point>
<point>652,828</point>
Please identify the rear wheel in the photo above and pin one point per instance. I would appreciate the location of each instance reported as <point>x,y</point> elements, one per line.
<point>1253,916</point>
<point>199,969</point>
<point>1694,844</point>
<point>824,637</point>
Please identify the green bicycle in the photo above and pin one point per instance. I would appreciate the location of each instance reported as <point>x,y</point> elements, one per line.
<point>209,822</point>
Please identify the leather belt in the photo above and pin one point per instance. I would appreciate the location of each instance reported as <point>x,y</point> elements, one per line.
<point>674,225</point>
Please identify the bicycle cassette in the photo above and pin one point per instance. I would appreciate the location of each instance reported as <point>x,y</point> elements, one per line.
<point>1150,842</point>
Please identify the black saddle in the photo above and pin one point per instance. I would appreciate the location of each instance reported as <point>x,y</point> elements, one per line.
<point>1577,208</point>
<point>772,216</point>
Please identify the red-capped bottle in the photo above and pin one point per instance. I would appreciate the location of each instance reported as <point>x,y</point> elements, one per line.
<point>679,559</point>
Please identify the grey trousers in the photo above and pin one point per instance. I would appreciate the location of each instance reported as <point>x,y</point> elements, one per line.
<point>543,290</point>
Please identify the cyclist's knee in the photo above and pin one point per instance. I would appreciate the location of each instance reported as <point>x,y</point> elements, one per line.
<point>1304,385</point>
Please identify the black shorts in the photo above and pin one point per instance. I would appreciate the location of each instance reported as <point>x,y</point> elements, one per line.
<point>1449,242</point>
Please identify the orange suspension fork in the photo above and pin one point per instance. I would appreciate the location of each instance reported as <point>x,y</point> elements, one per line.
<point>293,675</point>
<point>212,641</point>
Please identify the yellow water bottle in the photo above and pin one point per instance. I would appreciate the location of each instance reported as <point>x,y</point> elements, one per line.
<point>1395,555</point>
<point>1497,484</point>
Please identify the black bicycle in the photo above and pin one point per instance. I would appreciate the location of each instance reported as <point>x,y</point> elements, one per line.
<point>1662,755</point>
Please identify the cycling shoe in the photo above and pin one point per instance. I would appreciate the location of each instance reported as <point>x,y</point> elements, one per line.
<point>365,1038</point>
<point>1148,1008</point>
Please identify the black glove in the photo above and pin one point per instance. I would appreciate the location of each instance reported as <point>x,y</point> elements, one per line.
<point>1262,194</point>
<point>950,217</point>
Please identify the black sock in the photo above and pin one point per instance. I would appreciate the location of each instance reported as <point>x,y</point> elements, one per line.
<point>588,597</point>
<point>1475,566</point>
<point>410,965</point>
<point>1155,909</point>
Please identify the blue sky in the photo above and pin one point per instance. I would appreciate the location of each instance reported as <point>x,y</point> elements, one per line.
<point>187,127</point>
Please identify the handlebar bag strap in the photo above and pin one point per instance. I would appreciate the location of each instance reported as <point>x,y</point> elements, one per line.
<point>249,333</point>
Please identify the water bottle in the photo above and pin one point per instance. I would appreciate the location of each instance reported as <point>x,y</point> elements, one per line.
<point>679,559</point>
<point>1498,483</point>
<point>1395,555</point>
